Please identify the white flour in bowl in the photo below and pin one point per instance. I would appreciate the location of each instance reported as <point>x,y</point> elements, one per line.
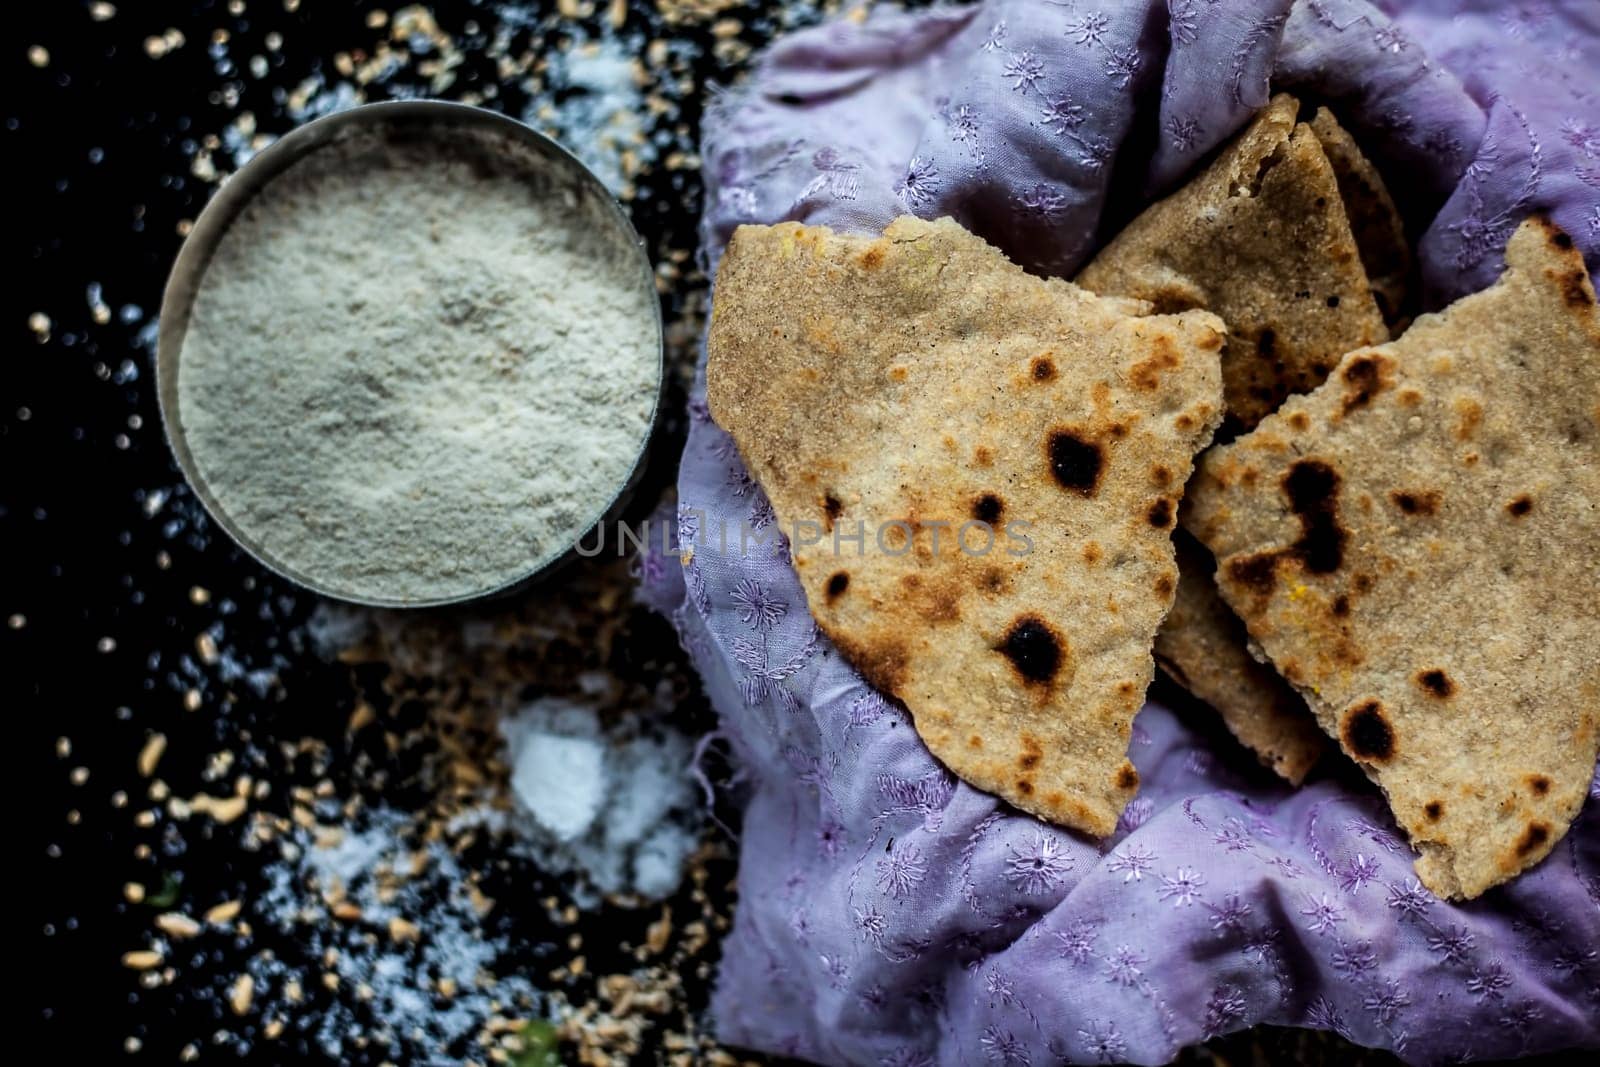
<point>418,365</point>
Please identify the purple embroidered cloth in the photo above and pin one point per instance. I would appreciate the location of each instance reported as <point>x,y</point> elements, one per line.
<point>891,915</point>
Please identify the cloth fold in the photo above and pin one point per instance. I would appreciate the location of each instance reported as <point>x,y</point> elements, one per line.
<point>890,914</point>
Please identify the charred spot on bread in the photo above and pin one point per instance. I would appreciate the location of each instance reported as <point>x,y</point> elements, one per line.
<point>988,508</point>
<point>832,508</point>
<point>1436,683</point>
<point>837,584</point>
<point>1363,378</point>
<point>1160,513</point>
<point>1366,733</point>
<point>1416,501</point>
<point>1533,838</point>
<point>1034,649</point>
<point>1075,462</point>
<point>1313,491</point>
<point>1258,572</point>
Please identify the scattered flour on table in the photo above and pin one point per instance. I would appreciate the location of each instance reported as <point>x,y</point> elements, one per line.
<point>599,781</point>
<point>613,802</point>
<point>592,103</point>
<point>416,369</point>
<point>419,931</point>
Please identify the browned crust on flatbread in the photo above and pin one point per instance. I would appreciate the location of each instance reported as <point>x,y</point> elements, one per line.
<point>920,377</point>
<point>1416,545</point>
<point>1260,237</point>
<point>1203,647</point>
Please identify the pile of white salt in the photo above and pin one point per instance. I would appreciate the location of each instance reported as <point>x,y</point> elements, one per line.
<point>418,365</point>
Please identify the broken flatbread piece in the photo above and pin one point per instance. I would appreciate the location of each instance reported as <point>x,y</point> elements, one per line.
<point>1260,237</point>
<point>1203,647</point>
<point>1375,222</point>
<point>1416,545</point>
<point>901,393</point>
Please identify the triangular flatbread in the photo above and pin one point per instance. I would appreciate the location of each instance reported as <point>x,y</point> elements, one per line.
<point>1416,545</point>
<point>921,378</point>
<point>1260,237</point>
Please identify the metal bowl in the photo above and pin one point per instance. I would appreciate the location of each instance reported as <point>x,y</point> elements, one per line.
<point>184,282</point>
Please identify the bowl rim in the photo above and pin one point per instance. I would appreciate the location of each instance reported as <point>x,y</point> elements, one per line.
<point>219,213</point>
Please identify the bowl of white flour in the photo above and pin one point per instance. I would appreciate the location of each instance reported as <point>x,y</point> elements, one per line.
<point>410,354</point>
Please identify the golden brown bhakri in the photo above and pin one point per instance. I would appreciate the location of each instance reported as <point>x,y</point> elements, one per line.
<point>920,381</point>
<point>1416,545</point>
